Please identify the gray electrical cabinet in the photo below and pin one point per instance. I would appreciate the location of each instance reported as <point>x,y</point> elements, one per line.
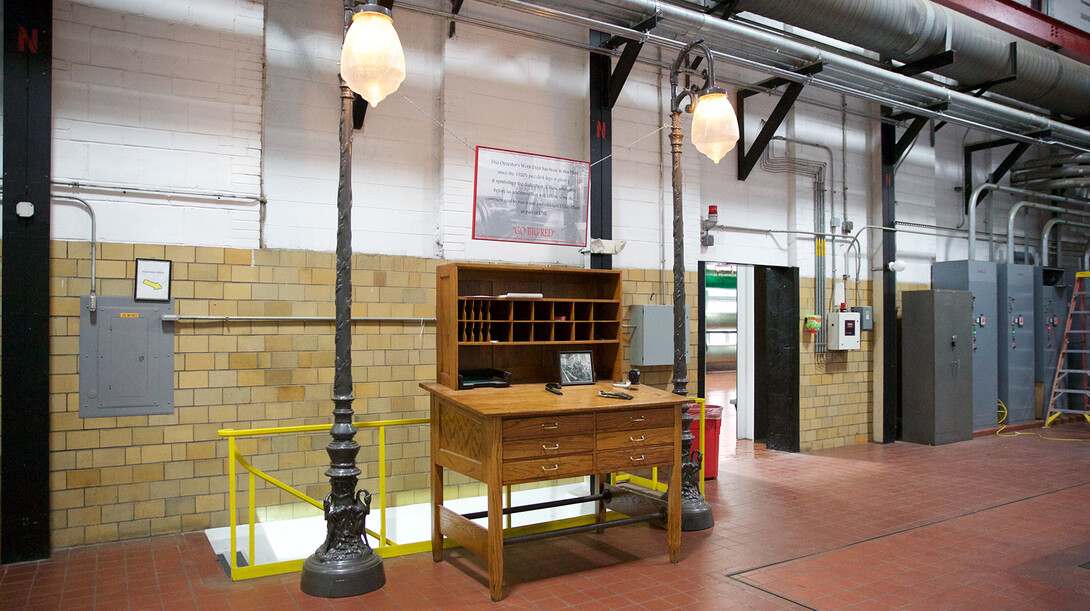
<point>936,366</point>
<point>126,362</point>
<point>653,335</point>
<point>1016,345</point>
<point>1052,300</point>
<point>979,278</point>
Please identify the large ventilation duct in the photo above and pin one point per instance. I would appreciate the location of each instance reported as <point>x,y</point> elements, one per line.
<point>910,30</point>
<point>1067,83</point>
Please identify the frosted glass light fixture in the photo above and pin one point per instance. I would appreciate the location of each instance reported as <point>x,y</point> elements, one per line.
<point>372,60</point>
<point>715,125</point>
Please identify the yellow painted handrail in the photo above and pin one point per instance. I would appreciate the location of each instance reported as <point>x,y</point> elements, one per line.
<point>385,547</point>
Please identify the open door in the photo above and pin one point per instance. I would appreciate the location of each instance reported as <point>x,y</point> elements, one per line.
<point>776,356</point>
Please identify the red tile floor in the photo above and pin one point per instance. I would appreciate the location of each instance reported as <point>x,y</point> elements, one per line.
<point>993,523</point>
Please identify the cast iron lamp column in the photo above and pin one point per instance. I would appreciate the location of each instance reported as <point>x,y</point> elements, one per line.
<point>715,131</point>
<point>344,564</point>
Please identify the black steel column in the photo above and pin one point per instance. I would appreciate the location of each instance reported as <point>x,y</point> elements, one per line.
<point>601,147</point>
<point>890,348</point>
<point>24,481</point>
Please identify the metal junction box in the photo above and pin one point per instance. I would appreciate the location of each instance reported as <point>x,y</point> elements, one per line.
<point>936,367</point>
<point>1052,299</point>
<point>979,278</point>
<point>1016,345</point>
<point>844,331</point>
<point>126,363</point>
<point>653,335</point>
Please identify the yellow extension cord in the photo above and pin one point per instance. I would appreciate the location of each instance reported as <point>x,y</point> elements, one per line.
<point>1003,418</point>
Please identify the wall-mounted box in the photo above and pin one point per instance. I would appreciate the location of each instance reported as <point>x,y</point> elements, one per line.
<point>844,331</point>
<point>653,335</point>
<point>126,365</point>
<point>866,317</point>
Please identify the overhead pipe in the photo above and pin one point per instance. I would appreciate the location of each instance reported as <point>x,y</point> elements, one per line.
<point>912,30</point>
<point>857,78</point>
<point>1019,206</point>
<point>1047,229</point>
<point>974,199</point>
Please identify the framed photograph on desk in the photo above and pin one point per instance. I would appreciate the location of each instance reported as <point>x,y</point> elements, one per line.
<point>576,367</point>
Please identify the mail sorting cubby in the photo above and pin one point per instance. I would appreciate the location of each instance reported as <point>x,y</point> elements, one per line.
<point>484,320</point>
<point>492,317</point>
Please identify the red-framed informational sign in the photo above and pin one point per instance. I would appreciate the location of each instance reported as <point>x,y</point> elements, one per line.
<point>519,197</point>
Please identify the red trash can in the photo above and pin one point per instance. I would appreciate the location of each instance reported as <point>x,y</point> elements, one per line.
<point>713,420</point>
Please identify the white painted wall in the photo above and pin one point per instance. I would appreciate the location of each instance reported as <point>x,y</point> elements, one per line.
<point>241,97</point>
<point>163,96</point>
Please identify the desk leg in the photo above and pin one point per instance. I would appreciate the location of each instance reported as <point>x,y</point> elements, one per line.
<point>436,503</point>
<point>597,485</point>
<point>673,510</point>
<point>495,540</point>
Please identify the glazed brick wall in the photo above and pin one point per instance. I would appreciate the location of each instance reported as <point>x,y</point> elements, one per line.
<point>127,477</point>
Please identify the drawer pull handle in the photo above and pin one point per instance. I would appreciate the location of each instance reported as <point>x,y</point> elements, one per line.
<point>634,459</point>
<point>555,446</point>
<point>554,425</point>
<point>636,419</point>
<point>553,468</point>
<point>640,438</point>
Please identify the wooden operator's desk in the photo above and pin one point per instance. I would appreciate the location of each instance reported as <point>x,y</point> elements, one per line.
<point>523,433</point>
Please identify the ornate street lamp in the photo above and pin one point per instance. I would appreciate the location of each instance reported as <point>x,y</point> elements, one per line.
<point>373,65</point>
<point>715,131</point>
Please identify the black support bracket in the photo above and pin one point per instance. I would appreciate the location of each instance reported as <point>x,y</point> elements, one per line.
<point>1020,147</point>
<point>747,160</point>
<point>455,6</point>
<point>913,130</point>
<point>926,64</point>
<point>724,8</point>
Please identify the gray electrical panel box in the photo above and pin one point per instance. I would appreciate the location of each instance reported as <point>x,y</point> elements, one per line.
<point>866,317</point>
<point>1016,345</point>
<point>979,278</point>
<point>1052,300</point>
<point>936,367</point>
<point>126,362</point>
<point>653,335</point>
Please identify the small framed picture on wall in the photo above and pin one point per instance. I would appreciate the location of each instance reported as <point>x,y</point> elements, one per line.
<point>576,367</point>
<point>152,280</point>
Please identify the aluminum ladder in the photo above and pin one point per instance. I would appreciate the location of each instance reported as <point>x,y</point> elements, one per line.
<point>1070,380</point>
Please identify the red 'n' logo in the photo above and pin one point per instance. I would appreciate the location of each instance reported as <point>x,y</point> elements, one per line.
<point>28,40</point>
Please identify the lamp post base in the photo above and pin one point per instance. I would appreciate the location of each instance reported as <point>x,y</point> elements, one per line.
<point>696,514</point>
<point>340,578</point>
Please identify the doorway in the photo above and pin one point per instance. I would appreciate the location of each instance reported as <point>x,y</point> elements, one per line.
<point>748,352</point>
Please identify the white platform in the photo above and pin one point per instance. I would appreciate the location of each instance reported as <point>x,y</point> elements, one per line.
<point>297,539</point>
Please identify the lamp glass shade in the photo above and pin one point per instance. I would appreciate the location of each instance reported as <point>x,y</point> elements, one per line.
<point>372,60</point>
<point>715,126</point>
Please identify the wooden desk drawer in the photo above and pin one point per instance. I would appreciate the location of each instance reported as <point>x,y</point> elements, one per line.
<point>547,426</point>
<point>548,446</point>
<point>636,458</point>
<point>612,440</point>
<point>636,419</point>
<point>547,468</point>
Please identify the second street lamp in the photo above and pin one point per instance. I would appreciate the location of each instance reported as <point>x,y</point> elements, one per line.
<point>715,132</point>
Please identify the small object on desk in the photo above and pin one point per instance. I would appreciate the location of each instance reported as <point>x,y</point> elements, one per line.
<point>522,296</point>
<point>553,388</point>
<point>626,384</point>
<point>634,376</point>
<point>614,395</point>
<point>483,378</point>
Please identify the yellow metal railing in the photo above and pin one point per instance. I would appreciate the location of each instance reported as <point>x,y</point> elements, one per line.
<point>654,483</point>
<point>385,547</point>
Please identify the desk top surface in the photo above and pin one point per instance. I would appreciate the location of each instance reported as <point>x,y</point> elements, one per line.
<point>533,400</point>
